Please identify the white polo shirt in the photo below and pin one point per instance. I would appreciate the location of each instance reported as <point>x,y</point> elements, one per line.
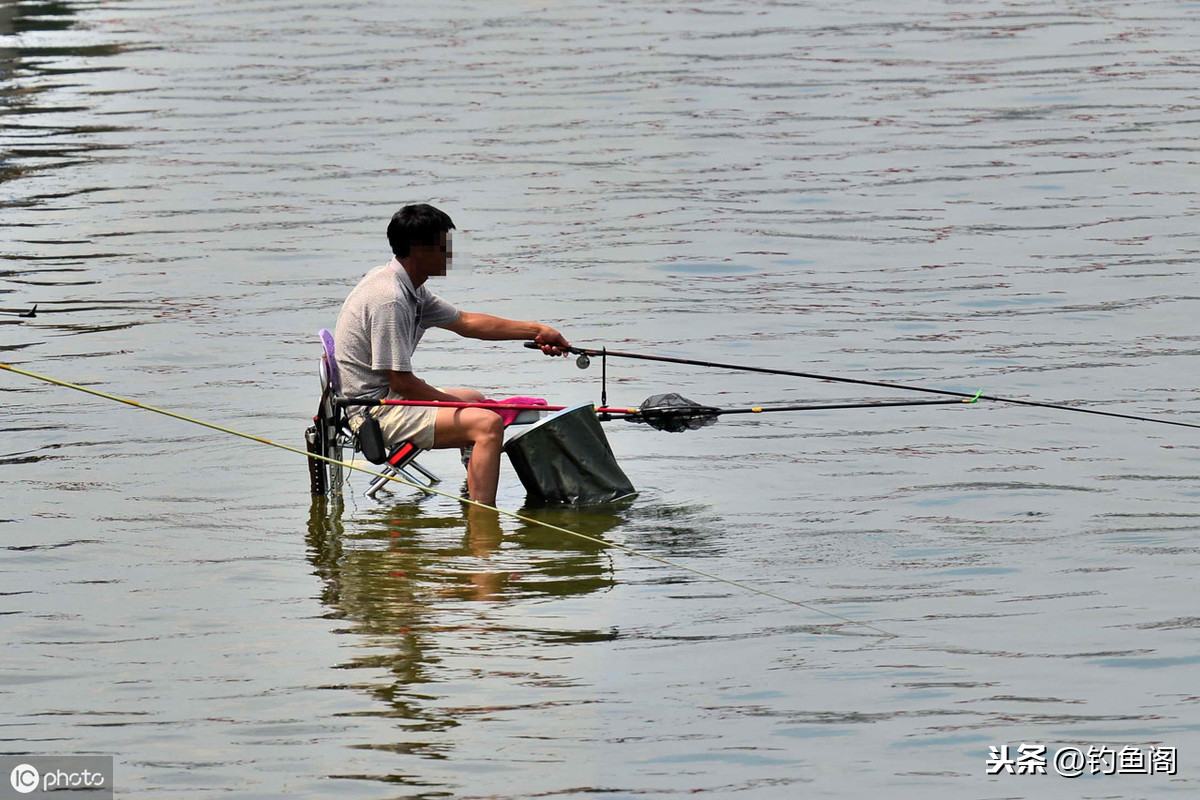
<point>379,327</point>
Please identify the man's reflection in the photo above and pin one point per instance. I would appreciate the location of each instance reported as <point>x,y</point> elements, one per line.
<point>398,569</point>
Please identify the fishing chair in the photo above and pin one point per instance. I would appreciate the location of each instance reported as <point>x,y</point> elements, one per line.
<point>331,434</point>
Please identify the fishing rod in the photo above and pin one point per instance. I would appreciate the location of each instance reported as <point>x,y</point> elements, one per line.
<point>586,353</point>
<point>495,405</point>
<point>528,520</point>
<point>665,412</point>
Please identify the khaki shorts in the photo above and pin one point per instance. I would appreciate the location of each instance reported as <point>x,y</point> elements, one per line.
<point>403,423</point>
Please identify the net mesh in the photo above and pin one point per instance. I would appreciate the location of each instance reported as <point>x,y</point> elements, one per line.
<point>674,413</point>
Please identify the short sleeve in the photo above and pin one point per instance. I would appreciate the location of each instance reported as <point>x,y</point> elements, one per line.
<point>436,312</point>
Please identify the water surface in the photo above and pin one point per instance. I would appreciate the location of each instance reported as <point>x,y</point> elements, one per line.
<point>986,195</point>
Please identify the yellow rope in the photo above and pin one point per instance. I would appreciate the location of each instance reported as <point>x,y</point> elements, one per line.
<point>513,514</point>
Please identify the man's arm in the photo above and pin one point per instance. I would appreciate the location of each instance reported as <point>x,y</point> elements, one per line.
<point>489,328</point>
<point>410,387</point>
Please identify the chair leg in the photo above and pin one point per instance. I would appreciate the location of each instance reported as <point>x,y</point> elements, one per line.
<point>317,474</point>
<point>333,449</point>
<point>403,470</point>
<point>430,477</point>
<point>422,485</point>
<point>377,482</point>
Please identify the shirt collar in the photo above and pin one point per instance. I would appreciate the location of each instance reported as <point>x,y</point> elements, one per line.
<point>398,269</point>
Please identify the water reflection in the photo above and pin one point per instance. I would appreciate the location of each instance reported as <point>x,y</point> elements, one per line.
<point>865,188</point>
<point>23,17</point>
<point>410,583</point>
<point>468,557</point>
<point>32,75</point>
<point>50,128</point>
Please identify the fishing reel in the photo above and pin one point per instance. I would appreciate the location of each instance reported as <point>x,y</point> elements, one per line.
<point>583,361</point>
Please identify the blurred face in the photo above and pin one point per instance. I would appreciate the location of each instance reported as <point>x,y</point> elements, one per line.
<point>432,260</point>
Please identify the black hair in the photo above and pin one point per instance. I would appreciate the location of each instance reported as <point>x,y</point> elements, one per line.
<point>420,224</point>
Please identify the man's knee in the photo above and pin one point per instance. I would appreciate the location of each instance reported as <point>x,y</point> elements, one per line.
<point>487,425</point>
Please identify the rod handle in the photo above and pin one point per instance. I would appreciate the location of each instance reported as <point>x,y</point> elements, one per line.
<point>573,350</point>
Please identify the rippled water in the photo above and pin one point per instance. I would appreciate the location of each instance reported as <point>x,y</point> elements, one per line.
<point>996,195</point>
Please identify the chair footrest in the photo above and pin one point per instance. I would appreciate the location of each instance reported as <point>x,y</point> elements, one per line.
<point>400,461</point>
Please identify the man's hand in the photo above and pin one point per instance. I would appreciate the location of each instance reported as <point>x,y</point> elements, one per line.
<point>551,341</point>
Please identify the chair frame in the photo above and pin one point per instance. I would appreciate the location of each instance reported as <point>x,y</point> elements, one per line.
<point>331,435</point>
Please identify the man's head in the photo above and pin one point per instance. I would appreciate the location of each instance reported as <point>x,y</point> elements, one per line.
<point>422,233</point>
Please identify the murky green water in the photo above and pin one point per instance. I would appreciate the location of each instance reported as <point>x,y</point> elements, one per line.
<point>996,195</point>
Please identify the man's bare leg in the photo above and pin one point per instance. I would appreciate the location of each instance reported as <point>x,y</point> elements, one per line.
<point>456,427</point>
<point>467,396</point>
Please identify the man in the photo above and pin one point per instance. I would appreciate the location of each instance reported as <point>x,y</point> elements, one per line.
<point>381,323</point>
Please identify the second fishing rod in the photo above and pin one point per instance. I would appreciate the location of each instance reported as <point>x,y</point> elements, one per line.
<point>666,412</point>
<point>585,354</point>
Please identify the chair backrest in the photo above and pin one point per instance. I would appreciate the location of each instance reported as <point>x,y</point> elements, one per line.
<point>329,367</point>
